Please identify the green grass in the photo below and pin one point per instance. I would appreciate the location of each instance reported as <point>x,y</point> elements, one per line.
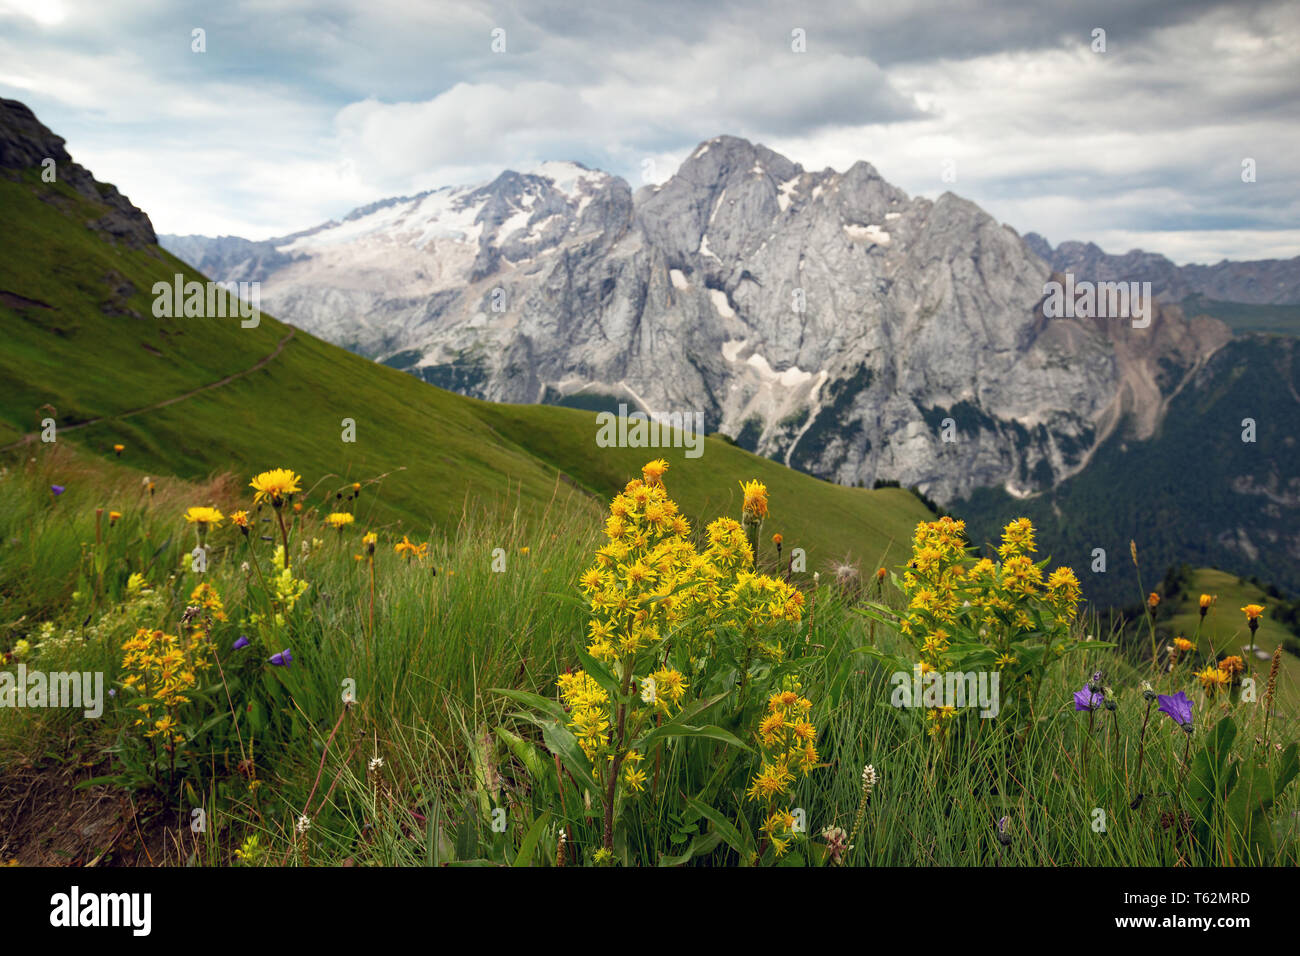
<point>1224,631</point>
<point>424,676</point>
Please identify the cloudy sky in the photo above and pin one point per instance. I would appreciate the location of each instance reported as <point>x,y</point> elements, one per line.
<point>300,110</point>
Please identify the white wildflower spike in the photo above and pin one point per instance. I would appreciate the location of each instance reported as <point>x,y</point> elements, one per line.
<point>869,779</point>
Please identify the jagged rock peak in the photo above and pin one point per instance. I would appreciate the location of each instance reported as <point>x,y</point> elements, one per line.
<point>26,143</point>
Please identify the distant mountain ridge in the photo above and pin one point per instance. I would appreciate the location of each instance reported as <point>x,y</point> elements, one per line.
<point>825,319</point>
<point>1254,282</point>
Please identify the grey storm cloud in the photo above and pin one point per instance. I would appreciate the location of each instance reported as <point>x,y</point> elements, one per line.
<point>299,111</point>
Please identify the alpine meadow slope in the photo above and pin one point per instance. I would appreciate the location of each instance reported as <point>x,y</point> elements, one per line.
<point>83,347</point>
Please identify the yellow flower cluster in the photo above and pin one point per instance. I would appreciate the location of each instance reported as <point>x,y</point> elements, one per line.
<point>649,576</point>
<point>162,670</point>
<point>665,689</point>
<point>788,741</point>
<point>588,706</point>
<point>206,597</point>
<point>947,592</point>
<point>633,586</point>
<point>1214,679</point>
<point>953,599</point>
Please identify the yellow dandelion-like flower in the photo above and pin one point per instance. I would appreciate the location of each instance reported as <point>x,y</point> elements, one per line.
<point>755,504</point>
<point>275,486</point>
<point>410,549</point>
<point>204,517</point>
<point>339,520</point>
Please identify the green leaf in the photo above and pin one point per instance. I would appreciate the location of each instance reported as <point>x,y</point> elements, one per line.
<point>599,672</point>
<point>535,701</point>
<point>1211,777</point>
<point>724,828</point>
<point>539,769</point>
<point>529,846</point>
<point>702,844</point>
<point>559,740</point>
<point>709,731</point>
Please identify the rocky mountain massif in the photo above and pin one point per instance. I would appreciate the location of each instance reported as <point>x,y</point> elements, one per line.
<point>824,318</point>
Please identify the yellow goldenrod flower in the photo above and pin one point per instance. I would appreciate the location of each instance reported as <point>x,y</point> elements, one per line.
<point>274,486</point>
<point>1017,538</point>
<point>653,472</point>
<point>1214,679</point>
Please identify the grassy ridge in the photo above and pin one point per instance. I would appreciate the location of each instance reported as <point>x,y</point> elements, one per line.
<point>88,344</point>
<point>1224,631</point>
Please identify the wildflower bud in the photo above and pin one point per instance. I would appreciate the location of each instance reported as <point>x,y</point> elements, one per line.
<point>1110,700</point>
<point>1003,836</point>
<point>1148,692</point>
